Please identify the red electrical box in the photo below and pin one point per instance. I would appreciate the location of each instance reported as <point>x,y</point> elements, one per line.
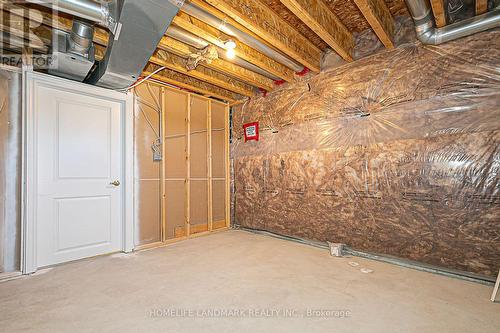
<point>251,131</point>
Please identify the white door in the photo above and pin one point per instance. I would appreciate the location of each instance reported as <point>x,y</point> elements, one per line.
<point>78,172</point>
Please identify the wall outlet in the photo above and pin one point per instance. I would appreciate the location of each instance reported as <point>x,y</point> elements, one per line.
<point>336,249</point>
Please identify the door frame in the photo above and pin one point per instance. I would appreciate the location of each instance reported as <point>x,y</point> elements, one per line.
<point>31,80</point>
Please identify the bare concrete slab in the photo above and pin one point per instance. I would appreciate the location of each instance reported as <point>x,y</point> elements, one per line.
<point>241,282</point>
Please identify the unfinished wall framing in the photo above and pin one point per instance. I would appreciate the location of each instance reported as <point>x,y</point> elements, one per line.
<point>182,157</point>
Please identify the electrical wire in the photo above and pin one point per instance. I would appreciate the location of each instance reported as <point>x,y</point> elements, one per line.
<point>143,79</point>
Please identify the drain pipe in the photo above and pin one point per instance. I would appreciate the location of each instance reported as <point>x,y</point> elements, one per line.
<point>427,33</point>
<point>199,43</point>
<point>232,31</point>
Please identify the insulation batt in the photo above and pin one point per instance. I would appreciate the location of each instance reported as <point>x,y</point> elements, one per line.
<point>397,154</point>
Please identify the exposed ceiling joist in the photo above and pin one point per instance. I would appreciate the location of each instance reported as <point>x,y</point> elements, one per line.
<point>439,13</point>
<point>240,73</point>
<point>481,6</point>
<point>243,51</point>
<point>320,19</point>
<point>257,17</point>
<point>380,19</point>
<point>222,16</point>
<point>190,83</point>
<point>178,64</point>
<point>38,38</point>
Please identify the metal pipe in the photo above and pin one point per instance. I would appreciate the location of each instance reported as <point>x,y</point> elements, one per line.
<point>186,37</point>
<point>387,259</point>
<point>251,67</point>
<point>87,9</point>
<point>81,37</point>
<point>427,33</point>
<point>232,31</point>
<point>199,43</point>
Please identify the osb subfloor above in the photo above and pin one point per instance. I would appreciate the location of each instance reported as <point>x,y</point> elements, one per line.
<point>346,10</point>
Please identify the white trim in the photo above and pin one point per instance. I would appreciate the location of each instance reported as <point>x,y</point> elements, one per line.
<point>28,230</point>
<point>128,165</point>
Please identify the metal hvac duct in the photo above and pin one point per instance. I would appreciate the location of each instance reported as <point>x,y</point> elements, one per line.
<point>230,30</point>
<point>136,28</point>
<point>427,33</point>
<point>199,43</point>
<point>74,52</point>
<point>98,12</point>
<point>140,27</point>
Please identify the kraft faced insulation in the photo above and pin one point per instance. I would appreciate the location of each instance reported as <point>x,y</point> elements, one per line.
<point>10,170</point>
<point>397,154</point>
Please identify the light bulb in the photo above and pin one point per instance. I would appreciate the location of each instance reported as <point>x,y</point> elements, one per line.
<point>230,44</point>
<point>230,53</point>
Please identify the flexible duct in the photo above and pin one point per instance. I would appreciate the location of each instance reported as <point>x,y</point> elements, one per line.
<point>199,43</point>
<point>427,33</point>
<point>230,30</point>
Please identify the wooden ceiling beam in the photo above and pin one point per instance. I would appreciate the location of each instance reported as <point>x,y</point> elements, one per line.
<point>481,6</point>
<point>380,19</point>
<point>178,64</point>
<point>237,72</point>
<point>225,18</point>
<point>320,19</point>
<point>439,13</point>
<point>183,81</point>
<point>216,37</point>
<point>262,21</point>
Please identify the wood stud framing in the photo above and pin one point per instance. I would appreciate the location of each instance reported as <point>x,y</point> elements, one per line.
<point>439,12</point>
<point>228,168</point>
<point>187,183</point>
<point>163,194</point>
<point>380,19</point>
<point>258,18</point>
<point>209,165</point>
<point>320,19</point>
<point>188,230</point>
<point>481,6</point>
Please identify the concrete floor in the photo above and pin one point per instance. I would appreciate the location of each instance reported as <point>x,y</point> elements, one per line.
<point>255,279</point>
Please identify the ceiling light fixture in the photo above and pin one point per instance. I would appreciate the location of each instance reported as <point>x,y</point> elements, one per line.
<point>230,45</point>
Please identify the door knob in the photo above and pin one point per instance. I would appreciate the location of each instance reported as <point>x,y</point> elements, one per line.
<point>115,183</point>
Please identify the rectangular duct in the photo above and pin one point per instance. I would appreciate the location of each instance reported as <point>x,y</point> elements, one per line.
<point>141,25</point>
